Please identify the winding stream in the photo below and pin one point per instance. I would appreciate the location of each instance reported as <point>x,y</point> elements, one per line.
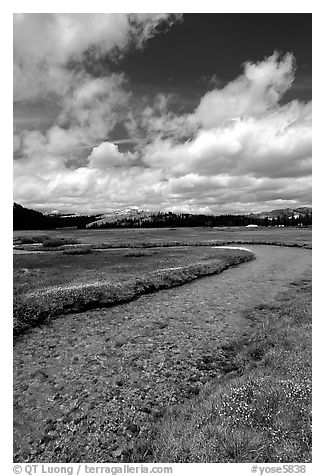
<point>101,368</point>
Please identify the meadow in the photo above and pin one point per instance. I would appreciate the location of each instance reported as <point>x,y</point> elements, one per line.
<point>69,270</point>
<point>205,370</point>
<point>169,236</point>
<point>34,271</point>
<point>120,281</point>
<point>261,411</point>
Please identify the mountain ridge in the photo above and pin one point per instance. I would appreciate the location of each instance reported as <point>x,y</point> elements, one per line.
<point>25,218</point>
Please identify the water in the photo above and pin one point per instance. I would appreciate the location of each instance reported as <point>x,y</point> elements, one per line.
<point>217,301</point>
<point>107,365</point>
<point>223,297</point>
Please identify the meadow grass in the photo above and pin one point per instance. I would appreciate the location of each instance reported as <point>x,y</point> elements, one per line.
<point>153,237</point>
<point>260,410</point>
<point>139,253</point>
<point>94,237</point>
<point>36,271</point>
<point>41,305</point>
<point>44,241</point>
<point>60,244</point>
<point>84,250</point>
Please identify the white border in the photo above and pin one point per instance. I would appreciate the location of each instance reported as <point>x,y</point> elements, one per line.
<point>231,6</point>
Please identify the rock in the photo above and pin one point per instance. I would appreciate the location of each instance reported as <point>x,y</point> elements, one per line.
<point>133,428</point>
<point>117,453</point>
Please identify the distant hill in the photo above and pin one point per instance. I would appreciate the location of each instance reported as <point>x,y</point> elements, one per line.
<point>301,215</point>
<point>27,219</point>
<point>125,215</point>
<point>134,218</point>
<point>284,212</point>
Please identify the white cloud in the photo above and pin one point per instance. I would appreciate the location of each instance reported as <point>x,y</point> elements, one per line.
<point>45,43</point>
<point>90,107</point>
<point>267,147</point>
<point>240,150</point>
<point>60,37</point>
<point>95,105</point>
<point>107,155</point>
<point>252,94</point>
<point>243,130</point>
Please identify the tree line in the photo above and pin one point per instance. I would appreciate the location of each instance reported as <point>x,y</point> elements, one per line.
<point>188,220</point>
<point>27,219</point>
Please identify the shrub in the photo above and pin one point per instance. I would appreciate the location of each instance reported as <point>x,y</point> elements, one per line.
<point>56,242</point>
<point>78,251</point>
<point>30,240</point>
<point>139,254</point>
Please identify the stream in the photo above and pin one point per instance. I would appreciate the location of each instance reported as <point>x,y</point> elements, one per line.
<point>81,379</point>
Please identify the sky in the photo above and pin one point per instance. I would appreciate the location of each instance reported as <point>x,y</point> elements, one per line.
<point>200,113</point>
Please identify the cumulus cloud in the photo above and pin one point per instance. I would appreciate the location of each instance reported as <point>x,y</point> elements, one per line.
<point>64,36</point>
<point>269,147</point>
<point>49,53</point>
<point>240,150</point>
<point>45,43</point>
<point>107,156</point>
<point>95,105</point>
<point>59,37</point>
<point>252,94</point>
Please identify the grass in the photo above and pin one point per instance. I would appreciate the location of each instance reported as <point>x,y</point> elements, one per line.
<point>85,250</point>
<point>29,240</point>
<point>169,244</point>
<point>139,254</point>
<point>39,271</point>
<point>39,306</point>
<point>101,387</point>
<point>261,409</point>
<point>165,236</point>
<point>57,242</point>
<point>251,420</point>
<point>43,242</point>
<point>145,387</point>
